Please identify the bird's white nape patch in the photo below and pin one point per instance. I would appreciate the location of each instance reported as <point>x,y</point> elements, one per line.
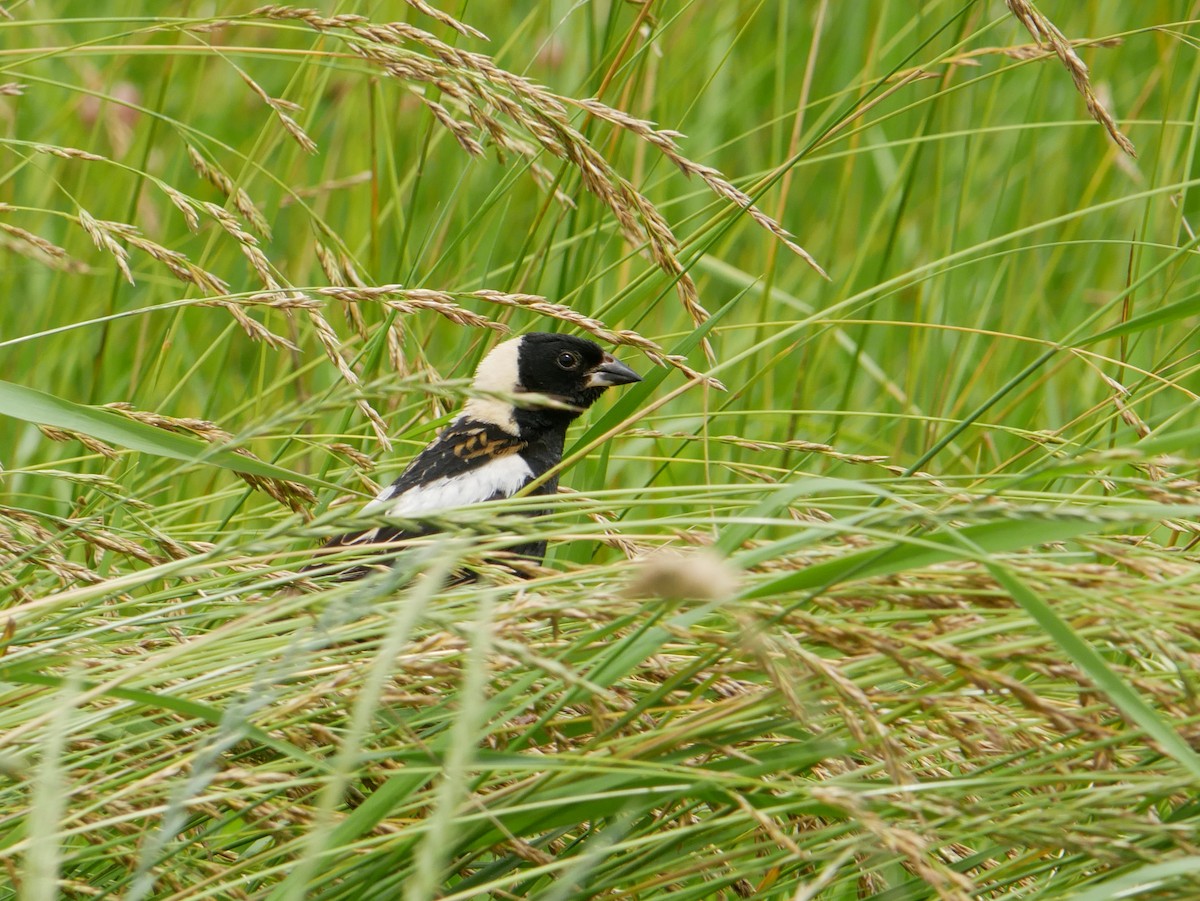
<point>502,476</point>
<point>499,371</point>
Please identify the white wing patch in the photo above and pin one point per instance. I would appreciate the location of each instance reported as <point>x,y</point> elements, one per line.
<point>503,476</point>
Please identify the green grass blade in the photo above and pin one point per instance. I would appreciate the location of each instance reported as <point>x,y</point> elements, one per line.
<point>915,553</point>
<point>39,407</point>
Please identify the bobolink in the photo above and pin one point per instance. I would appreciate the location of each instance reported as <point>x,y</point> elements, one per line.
<point>494,448</point>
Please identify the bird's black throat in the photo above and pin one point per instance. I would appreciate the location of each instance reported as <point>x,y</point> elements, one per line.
<point>533,422</point>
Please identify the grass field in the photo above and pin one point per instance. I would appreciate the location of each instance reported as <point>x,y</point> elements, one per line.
<point>915,456</point>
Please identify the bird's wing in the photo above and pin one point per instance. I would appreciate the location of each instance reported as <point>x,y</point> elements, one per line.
<point>468,463</point>
<point>462,448</point>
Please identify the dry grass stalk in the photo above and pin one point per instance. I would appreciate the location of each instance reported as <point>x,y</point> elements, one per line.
<point>237,196</point>
<point>395,351</point>
<point>461,130</point>
<point>104,235</point>
<point>325,187</point>
<point>330,264</point>
<point>949,885</point>
<point>758,445</point>
<point>16,245</point>
<point>107,541</point>
<point>446,19</point>
<point>443,303</point>
<point>611,536</point>
<point>335,274</point>
<point>293,300</point>
<point>926,725</point>
<point>355,456</point>
<point>287,300</point>
<point>491,97</point>
<point>664,141</point>
<point>208,282</point>
<point>413,300</point>
<point>1043,29</point>
<point>95,445</point>
<point>27,243</point>
<point>109,235</point>
<point>282,110</point>
<point>68,153</point>
<point>1166,487</point>
<point>290,494</point>
<point>184,204</point>
<point>332,345</point>
<point>248,245</point>
<point>808,447</point>
<point>178,264</point>
<point>1015,51</point>
<point>25,541</point>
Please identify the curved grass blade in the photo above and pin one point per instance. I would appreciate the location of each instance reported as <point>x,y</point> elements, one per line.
<point>39,407</point>
<point>154,700</point>
<point>1148,880</point>
<point>1181,309</point>
<point>992,538</point>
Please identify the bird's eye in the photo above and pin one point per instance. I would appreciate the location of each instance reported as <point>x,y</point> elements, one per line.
<point>568,360</point>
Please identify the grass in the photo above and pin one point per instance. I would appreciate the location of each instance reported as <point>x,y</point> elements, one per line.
<point>947,646</point>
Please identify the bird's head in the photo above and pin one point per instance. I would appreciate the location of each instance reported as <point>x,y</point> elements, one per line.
<point>572,370</point>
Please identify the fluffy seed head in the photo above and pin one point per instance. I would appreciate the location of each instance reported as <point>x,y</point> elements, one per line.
<point>701,574</point>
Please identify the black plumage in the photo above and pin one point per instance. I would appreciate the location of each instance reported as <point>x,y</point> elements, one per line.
<point>495,447</point>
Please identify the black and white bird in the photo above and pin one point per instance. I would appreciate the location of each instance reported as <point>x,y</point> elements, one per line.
<point>495,447</point>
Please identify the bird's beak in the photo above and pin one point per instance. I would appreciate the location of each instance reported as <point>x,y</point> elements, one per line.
<point>611,372</point>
